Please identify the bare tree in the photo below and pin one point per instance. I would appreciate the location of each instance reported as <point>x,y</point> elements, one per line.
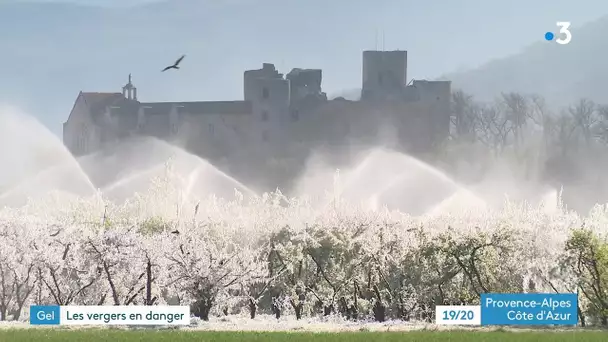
<point>494,127</point>
<point>585,118</point>
<point>541,116</point>
<point>600,129</point>
<point>565,133</point>
<point>517,112</point>
<point>464,116</point>
<point>539,113</point>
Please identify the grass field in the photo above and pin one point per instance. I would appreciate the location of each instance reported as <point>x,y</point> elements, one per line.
<point>40,335</point>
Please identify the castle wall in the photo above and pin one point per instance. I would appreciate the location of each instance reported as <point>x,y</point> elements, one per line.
<point>345,125</point>
<point>269,94</point>
<point>156,124</point>
<point>214,134</point>
<point>436,96</point>
<point>80,133</point>
<point>304,83</point>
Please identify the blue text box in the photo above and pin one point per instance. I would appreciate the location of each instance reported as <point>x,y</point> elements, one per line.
<point>529,309</point>
<point>44,315</point>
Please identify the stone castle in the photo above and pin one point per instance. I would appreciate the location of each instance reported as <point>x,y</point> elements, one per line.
<point>277,111</point>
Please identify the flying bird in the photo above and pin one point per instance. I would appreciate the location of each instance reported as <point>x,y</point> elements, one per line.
<point>175,65</point>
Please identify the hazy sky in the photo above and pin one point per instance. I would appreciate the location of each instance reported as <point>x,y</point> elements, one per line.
<point>112,3</point>
<point>471,32</point>
<point>441,36</point>
<point>484,29</point>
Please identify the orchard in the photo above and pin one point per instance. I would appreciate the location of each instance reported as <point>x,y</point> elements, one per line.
<point>285,257</point>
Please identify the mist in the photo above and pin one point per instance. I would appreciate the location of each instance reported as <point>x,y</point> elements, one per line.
<point>509,139</point>
<point>335,162</point>
<point>466,174</point>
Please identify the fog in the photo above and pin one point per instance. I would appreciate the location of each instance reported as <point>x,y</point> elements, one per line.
<point>371,190</point>
<point>466,175</point>
<point>487,158</point>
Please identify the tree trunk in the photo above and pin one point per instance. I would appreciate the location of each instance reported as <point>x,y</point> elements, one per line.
<point>276,310</point>
<point>353,312</point>
<point>343,307</point>
<point>402,311</point>
<point>202,307</point>
<point>149,283</point>
<point>379,312</point>
<point>298,308</point>
<point>379,307</point>
<point>205,309</point>
<point>354,309</point>
<point>17,312</point>
<point>253,308</point>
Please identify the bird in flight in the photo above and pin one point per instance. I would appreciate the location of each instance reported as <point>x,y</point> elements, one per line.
<point>175,65</point>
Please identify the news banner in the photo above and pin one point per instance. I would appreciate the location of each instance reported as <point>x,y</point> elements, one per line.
<point>494,309</point>
<point>513,309</point>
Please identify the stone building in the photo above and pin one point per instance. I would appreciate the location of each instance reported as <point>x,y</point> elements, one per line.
<point>277,111</point>
<point>98,119</point>
<point>409,116</point>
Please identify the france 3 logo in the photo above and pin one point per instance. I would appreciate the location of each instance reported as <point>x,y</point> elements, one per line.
<point>565,36</point>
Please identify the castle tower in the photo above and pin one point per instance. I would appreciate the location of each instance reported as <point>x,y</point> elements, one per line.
<point>269,93</point>
<point>384,74</point>
<point>129,90</point>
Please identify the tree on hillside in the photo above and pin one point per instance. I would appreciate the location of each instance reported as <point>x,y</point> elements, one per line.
<point>565,133</point>
<point>601,126</point>
<point>464,116</point>
<point>541,116</point>
<point>585,118</point>
<point>517,112</point>
<point>494,127</point>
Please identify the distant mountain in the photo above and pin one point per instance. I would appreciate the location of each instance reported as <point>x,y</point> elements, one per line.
<point>561,73</point>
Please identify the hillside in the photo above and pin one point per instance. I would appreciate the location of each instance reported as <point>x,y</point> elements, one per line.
<point>561,73</point>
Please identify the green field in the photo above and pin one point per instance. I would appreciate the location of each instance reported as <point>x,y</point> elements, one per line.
<point>40,335</point>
